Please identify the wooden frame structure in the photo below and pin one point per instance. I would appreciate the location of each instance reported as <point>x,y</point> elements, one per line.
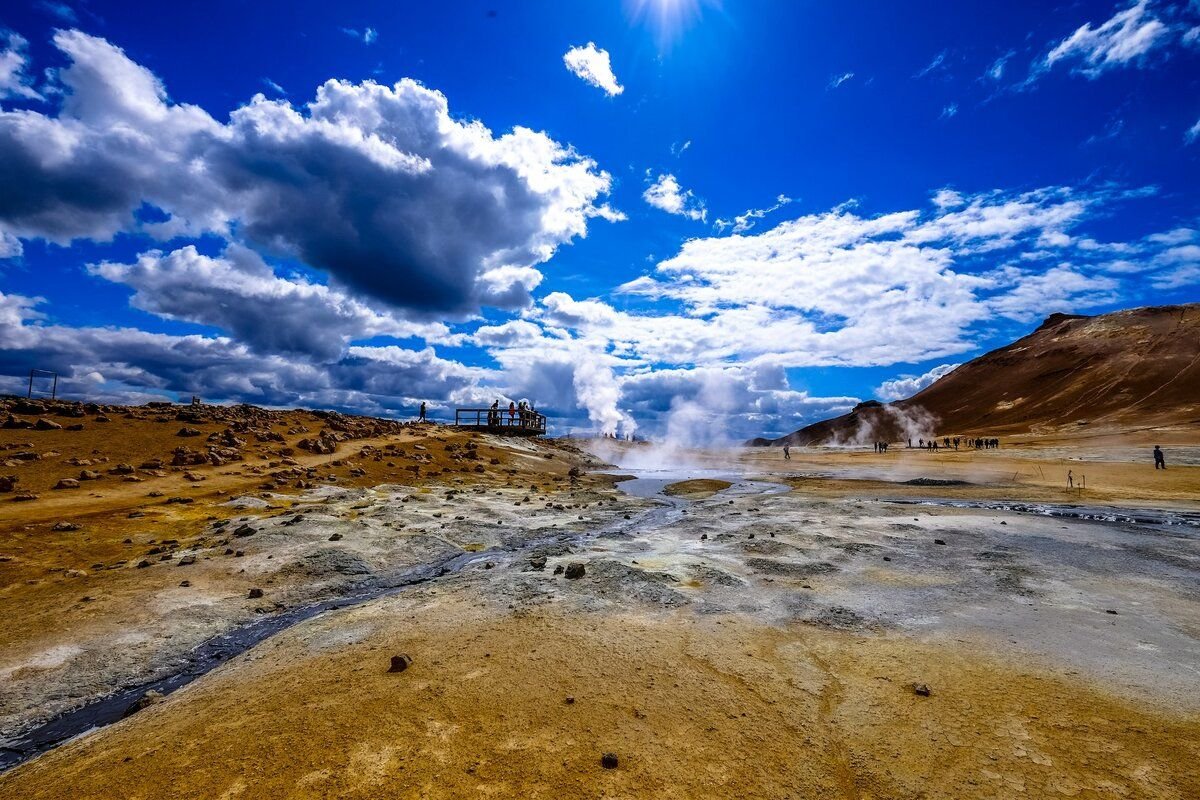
<point>497,420</point>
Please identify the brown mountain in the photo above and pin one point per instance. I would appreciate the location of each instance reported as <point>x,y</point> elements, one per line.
<point>1130,368</point>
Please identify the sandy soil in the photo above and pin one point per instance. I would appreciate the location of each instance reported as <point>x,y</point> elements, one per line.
<point>768,632</point>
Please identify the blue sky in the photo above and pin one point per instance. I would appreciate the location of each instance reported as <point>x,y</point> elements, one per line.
<point>638,215</point>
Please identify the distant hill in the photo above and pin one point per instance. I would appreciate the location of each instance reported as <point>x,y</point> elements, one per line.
<point>1136,367</point>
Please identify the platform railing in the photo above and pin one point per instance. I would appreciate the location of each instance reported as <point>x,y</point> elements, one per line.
<point>499,419</point>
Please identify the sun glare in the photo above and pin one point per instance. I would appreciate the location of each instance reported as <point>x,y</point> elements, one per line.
<point>668,19</point>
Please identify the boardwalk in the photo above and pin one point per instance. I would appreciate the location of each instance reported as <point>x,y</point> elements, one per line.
<point>522,423</point>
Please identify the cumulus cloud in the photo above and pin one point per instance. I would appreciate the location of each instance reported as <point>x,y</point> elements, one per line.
<point>908,385</point>
<point>1126,38</point>
<point>376,185</point>
<point>241,295</point>
<point>1193,133</point>
<point>13,60</point>
<point>365,379</point>
<point>666,194</point>
<point>594,66</point>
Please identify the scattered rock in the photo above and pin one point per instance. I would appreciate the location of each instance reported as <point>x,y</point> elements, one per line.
<point>939,541</point>
<point>67,483</point>
<point>921,689</point>
<point>186,431</point>
<point>21,497</point>
<point>9,482</point>
<point>558,569</point>
<point>537,562</point>
<point>400,663</point>
<point>244,530</point>
<point>185,584</point>
<point>255,593</point>
<point>65,526</point>
<point>703,537</point>
<point>47,425</point>
<point>574,570</point>
<point>1110,611</point>
<point>187,561</point>
<point>89,475</point>
<point>609,761</point>
<point>335,537</point>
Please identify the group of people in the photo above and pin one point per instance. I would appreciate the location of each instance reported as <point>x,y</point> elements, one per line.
<point>948,442</point>
<point>522,410</point>
<point>881,447</point>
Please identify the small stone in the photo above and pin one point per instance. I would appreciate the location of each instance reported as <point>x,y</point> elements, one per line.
<point>185,584</point>
<point>538,562</point>
<point>558,569</point>
<point>244,530</point>
<point>143,564</point>
<point>399,663</point>
<point>335,537</point>
<point>186,431</point>
<point>939,541</point>
<point>704,537</point>
<point>67,483</point>
<point>255,593</point>
<point>887,558</point>
<point>569,700</point>
<point>47,425</point>
<point>89,475</point>
<point>921,690</point>
<point>574,570</point>
<point>1110,611</point>
<point>65,526</point>
<point>187,561</point>
<point>609,761</point>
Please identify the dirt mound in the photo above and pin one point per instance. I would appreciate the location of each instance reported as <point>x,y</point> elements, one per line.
<point>1137,367</point>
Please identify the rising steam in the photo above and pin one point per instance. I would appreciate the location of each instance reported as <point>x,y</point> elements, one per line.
<point>597,392</point>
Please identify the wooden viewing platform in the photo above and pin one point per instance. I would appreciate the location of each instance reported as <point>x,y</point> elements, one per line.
<point>523,423</point>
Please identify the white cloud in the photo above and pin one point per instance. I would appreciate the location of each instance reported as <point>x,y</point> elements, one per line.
<point>367,35</point>
<point>838,80</point>
<point>908,385</point>
<point>745,221</point>
<point>678,149</point>
<point>274,87</point>
<point>239,294</point>
<point>949,111</point>
<point>938,63</point>
<point>594,67</point>
<point>666,194</point>
<point>13,60</point>
<point>1193,133</point>
<point>376,185</point>
<point>1125,38</point>
<point>996,70</point>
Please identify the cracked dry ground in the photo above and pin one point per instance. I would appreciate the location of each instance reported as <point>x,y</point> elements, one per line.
<point>745,643</point>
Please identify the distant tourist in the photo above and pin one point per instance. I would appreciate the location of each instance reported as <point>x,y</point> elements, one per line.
<point>421,416</point>
<point>512,411</point>
<point>1160,461</point>
<point>1070,480</point>
<point>787,456</point>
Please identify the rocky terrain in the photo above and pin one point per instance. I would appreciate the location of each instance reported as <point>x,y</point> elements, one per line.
<point>1136,369</point>
<point>427,612</point>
